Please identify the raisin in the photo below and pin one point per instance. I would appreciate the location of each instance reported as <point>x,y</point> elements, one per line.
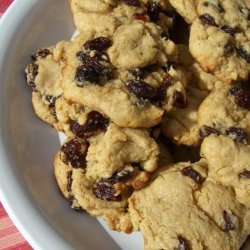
<point>92,70</point>
<point>52,100</point>
<point>237,134</point>
<point>100,43</point>
<point>131,2</point>
<point>161,94</point>
<point>121,176</point>
<point>234,90</point>
<point>32,86</point>
<point>162,90</point>
<point>69,180</point>
<point>228,223</point>
<point>40,53</point>
<point>242,98</point>
<point>243,53</point>
<point>71,200</point>
<point>88,60</point>
<point>105,192</point>
<point>230,30</point>
<point>141,89</point>
<point>34,70</point>
<point>229,49</point>
<point>218,7</point>
<point>183,243</point>
<point>179,101</point>
<point>75,153</point>
<point>245,174</point>
<point>94,122</point>
<point>193,174</point>
<point>168,80</point>
<point>154,10</point>
<point>207,19</point>
<point>90,74</point>
<point>141,16</point>
<point>206,131</point>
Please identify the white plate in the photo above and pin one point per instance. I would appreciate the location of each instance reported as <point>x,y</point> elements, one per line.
<point>27,146</point>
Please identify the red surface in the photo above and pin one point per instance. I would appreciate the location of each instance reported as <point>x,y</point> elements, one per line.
<point>4,4</point>
<point>10,238</point>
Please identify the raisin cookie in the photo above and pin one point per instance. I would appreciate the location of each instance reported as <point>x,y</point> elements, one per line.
<point>181,207</point>
<point>44,76</point>
<point>226,111</point>
<point>107,16</point>
<point>83,194</point>
<point>131,98</point>
<point>229,164</point>
<point>219,38</point>
<point>103,196</point>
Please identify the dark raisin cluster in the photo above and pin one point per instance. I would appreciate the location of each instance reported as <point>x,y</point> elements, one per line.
<point>95,121</point>
<point>96,67</point>
<point>75,151</point>
<point>105,189</point>
<point>157,96</point>
<point>241,97</point>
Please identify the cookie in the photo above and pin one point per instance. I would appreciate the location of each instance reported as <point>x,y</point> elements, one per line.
<point>229,164</point>
<point>107,16</point>
<point>107,195</point>
<point>181,207</point>
<point>44,76</point>
<point>226,111</point>
<point>131,98</point>
<point>79,191</point>
<point>219,39</point>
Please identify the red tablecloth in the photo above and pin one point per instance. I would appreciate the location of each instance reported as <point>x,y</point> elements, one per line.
<point>10,238</point>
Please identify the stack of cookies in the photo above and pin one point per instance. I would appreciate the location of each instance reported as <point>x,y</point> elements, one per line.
<point>154,99</point>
